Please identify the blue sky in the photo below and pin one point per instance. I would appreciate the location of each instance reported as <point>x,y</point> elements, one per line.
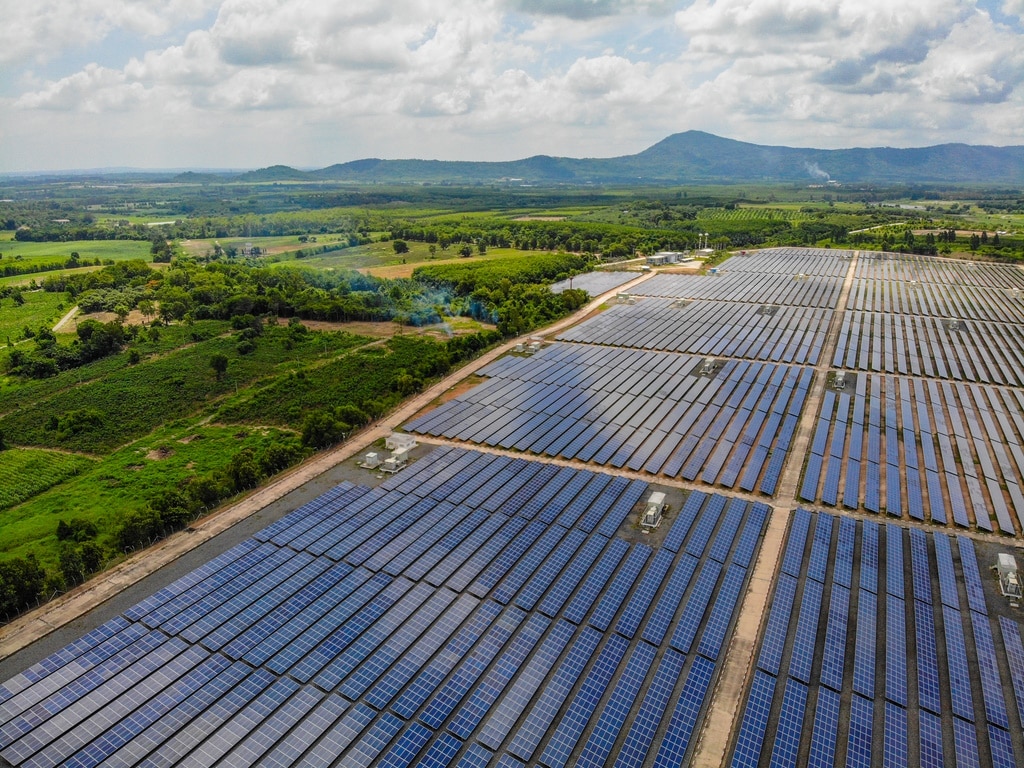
<point>250,83</point>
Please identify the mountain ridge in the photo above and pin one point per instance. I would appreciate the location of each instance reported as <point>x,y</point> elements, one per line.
<point>692,157</point>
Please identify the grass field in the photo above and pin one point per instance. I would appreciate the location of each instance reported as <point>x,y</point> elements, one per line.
<point>40,309</point>
<point>26,472</point>
<point>103,414</point>
<point>104,491</point>
<point>23,254</point>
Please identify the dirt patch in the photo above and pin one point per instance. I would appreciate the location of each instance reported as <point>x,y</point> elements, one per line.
<point>133,318</point>
<point>159,454</point>
<point>189,439</point>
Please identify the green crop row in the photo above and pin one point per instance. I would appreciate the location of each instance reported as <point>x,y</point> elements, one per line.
<point>27,472</point>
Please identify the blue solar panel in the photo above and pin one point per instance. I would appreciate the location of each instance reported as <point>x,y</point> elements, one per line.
<point>404,750</point>
<point>894,749</point>
<point>842,572</point>
<point>774,642</point>
<point>948,589</point>
<point>696,605</point>
<point>817,564</point>
<point>896,650</point>
<point>476,757</point>
<point>1002,748</point>
<point>930,749</point>
<point>927,659</point>
<point>826,730</point>
<point>790,725</point>
<point>988,666</point>
<point>919,563</point>
<point>750,538</point>
<point>645,724</point>
<point>864,649</point>
<point>965,742</point>
<point>613,717</point>
<point>640,601</point>
<point>804,641</point>
<point>755,721</point>
<point>859,742</point>
<point>441,753</point>
<point>679,732</point>
<point>833,660</point>
<point>491,687</point>
<point>469,670</point>
<point>722,612</point>
<point>1015,660</point>
<point>563,741</point>
<point>548,704</point>
<point>972,575</point>
<point>596,580</point>
<point>616,592</point>
<point>894,560</point>
<point>574,573</point>
<point>956,662</point>
<point>869,556</point>
<point>793,560</point>
<point>706,523</point>
<point>681,527</point>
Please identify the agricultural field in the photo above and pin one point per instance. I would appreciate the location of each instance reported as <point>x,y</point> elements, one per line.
<point>26,472</point>
<point>39,309</point>
<point>25,255</point>
<point>105,491</point>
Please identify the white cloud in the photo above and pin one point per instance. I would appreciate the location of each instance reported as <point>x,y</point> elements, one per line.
<point>504,78</point>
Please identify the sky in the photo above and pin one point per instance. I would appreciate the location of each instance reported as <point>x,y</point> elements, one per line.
<point>309,83</point>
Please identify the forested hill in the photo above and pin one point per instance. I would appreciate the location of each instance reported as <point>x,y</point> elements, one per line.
<point>694,157</point>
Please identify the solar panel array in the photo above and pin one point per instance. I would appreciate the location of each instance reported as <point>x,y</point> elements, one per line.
<point>923,449</point>
<point>595,283</point>
<point>749,287</point>
<point>472,610</point>
<point>929,269</point>
<point>824,262</point>
<point>781,334</point>
<point>861,615</point>
<point>650,411</point>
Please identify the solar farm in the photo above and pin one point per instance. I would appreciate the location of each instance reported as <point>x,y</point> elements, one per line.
<point>839,438</point>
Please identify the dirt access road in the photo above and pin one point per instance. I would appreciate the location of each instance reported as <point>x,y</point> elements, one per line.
<point>41,622</point>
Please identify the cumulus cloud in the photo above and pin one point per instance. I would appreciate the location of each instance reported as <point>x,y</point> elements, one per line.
<point>514,77</point>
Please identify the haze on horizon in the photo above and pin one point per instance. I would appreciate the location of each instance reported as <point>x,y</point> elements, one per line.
<point>308,83</point>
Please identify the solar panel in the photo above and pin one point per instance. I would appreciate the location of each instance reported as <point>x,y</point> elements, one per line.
<point>620,586</point>
<point>826,729</point>
<point>798,527</point>
<point>790,725</point>
<point>1002,748</point>
<point>920,566</point>
<point>864,648</point>
<point>548,704</point>
<point>930,748</point>
<point>833,660</point>
<point>569,729</point>
<point>869,556</point>
<point>804,641</point>
<point>774,641</point>
<point>965,743</point>
<point>696,605</point>
<point>602,738</point>
<point>957,664</point>
<point>988,666</point>
<point>972,575</point>
<point>596,580</point>
<point>859,742</point>
<point>895,650</point>
<point>947,577</point>
<point>1015,660</point>
<point>755,721</point>
<point>645,724</point>
<point>927,659</point>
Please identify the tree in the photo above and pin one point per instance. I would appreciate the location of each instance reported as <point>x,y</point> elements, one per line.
<point>219,363</point>
<point>465,251</point>
<point>400,246</point>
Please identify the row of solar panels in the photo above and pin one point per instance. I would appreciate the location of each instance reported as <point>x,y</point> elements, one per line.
<point>822,262</point>
<point>595,283</point>
<point>928,269</point>
<point>945,446</point>
<point>711,328</point>
<point>945,300</point>
<point>991,353</point>
<point>541,642</point>
<point>748,287</point>
<point>899,633</point>
<point>722,428</point>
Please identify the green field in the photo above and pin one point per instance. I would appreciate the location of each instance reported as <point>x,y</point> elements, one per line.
<point>26,472</point>
<point>26,254</point>
<point>104,491</point>
<point>40,309</point>
<point>103,414</point>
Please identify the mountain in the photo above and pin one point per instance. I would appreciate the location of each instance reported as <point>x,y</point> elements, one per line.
<point>693,157</point>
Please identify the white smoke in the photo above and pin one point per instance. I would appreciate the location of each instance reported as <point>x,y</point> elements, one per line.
<point>815,170</point>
